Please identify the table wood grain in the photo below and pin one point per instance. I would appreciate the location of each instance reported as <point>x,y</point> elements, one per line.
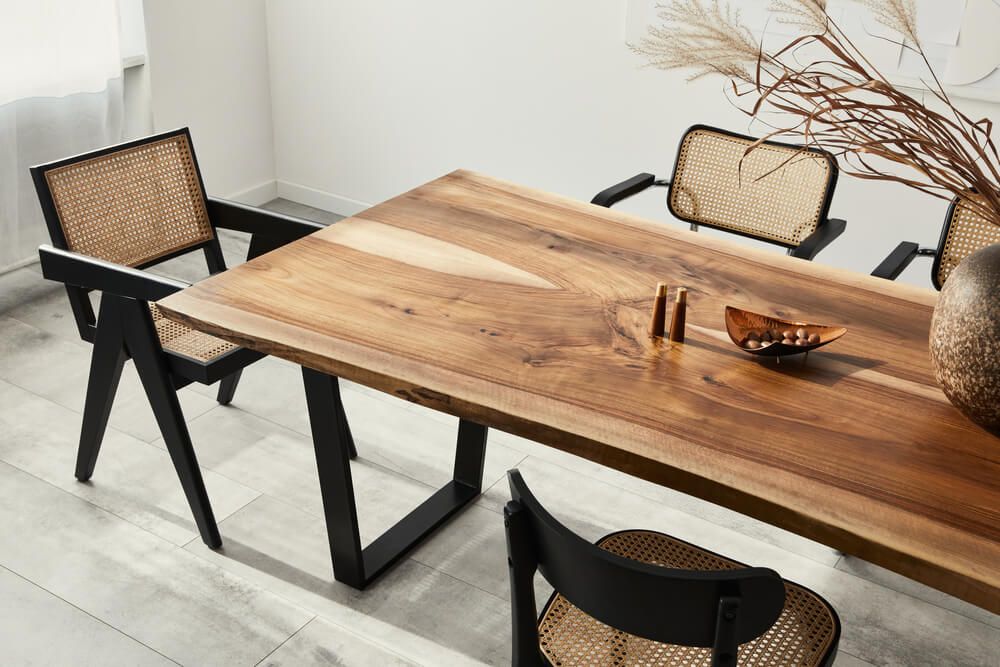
<point>527,311</point>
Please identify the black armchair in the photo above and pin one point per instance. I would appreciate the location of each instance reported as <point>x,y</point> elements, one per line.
<point>111,213</point>
<point>643,597</point>
<point>716,183</point>
<point>964,232</point>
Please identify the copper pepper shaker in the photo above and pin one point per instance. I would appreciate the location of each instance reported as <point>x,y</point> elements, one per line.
<point>657,323</point>
<point>677,319</point>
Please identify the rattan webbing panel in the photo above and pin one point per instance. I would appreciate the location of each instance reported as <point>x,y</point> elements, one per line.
<point>134,205</point>
<point>967,233</point>
<point>567,636</point>
<point>175,337</point>
<point>777,194</point>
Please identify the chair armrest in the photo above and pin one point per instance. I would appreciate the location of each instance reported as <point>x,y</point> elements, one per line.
<point>900,258</point>
<point>819,239</point>
<point>78,270</point>
<point>623,190</point>
<point>227,214</point>
<point>268,230</point>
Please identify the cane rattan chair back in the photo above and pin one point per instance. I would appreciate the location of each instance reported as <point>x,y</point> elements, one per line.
<point>777,192</point>
<point>645,598</point>
<point>134,205</point>
<point>131,206</point>
<point>965,231</point>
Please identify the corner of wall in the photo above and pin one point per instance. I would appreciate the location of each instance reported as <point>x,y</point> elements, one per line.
<point>257,195</point>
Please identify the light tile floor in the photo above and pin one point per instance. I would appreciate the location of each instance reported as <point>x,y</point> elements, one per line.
<point>112,572</point>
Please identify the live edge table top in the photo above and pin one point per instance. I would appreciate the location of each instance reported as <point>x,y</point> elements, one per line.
<point>527,311</point>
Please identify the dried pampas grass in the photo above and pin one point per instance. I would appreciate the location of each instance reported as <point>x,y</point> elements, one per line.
<point>837,100</point>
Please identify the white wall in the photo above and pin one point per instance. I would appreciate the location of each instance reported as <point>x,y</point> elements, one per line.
<point>372,98</point>
<point>137,116</point>
<point>208,68</point>
<point>137,120</point>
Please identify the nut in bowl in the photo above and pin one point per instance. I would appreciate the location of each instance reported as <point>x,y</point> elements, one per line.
<point>773,337</point>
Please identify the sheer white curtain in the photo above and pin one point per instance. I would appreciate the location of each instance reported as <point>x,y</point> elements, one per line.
<point>60,94</point>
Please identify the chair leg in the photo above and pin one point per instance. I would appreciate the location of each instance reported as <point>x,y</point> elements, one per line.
<point>227,387</point>
<point>143,344</point>
<point>106,363</point>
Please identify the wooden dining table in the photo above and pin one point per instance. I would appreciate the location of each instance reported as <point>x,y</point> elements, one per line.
<point>525,311</point>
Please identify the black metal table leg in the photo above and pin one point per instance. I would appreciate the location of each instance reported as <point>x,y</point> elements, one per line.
<point>336,485</point>
<point>353,565</point>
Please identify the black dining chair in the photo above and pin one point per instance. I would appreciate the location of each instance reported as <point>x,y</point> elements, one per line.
<point>111,213</point>
<point>964,232</point>
<point>639,597</point>
<point>779,193</point>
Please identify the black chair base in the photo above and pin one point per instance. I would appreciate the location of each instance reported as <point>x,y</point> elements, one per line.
<point>125,328</point>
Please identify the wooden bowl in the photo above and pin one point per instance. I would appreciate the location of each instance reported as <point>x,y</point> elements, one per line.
<point>741,323</point>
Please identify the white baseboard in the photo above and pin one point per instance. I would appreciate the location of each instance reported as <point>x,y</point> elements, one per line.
<point>257,195</point>
<point>327,201</point>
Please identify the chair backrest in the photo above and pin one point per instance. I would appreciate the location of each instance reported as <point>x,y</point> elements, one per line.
<point>778,192</point>
<point>965,231</point>
<point>135,204</point>
<point>132,204</point>
<point>659,603</point>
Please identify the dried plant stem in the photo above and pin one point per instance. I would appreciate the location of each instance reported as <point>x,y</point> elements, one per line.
<point>838,101</point>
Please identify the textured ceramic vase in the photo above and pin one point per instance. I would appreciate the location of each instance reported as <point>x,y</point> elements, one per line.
<point>965,338</point>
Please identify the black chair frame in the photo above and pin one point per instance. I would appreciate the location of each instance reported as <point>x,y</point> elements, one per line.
<point>903,255</point>
<point>717,609</point>
<point>124,329</point>
<point>826,231</point>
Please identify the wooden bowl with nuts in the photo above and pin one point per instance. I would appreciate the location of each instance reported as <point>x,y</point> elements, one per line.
<point>773,337</point>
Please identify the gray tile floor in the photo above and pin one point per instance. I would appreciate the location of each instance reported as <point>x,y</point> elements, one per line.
<point>112,572</point>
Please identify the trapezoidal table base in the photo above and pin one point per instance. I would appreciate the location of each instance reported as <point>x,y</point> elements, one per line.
<point>332,441</point>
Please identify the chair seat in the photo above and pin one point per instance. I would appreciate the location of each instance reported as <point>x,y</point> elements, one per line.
<point>802,635</point>
<point>180,339</point>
